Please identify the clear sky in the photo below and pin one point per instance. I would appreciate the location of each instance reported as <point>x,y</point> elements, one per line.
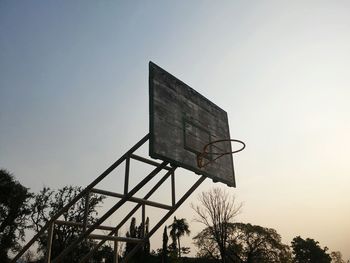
<point>74,97</point>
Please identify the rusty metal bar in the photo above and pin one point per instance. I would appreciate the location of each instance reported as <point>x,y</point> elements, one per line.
<point>116,238</point>
<point>127,217</point>
<point>162,221</point>
<point>76,224</point>
<point>127,172</point>
<point>132,199</point>
<point>148,161</point>
<point>82,193</point>
<point>110,212</point>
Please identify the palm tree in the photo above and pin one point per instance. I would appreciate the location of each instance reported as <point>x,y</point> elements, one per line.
<point>179,228</point>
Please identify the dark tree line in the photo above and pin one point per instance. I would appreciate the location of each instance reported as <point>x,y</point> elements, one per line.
<point>227,241</point>
<point>245,243</point>
<point>308,250</point>
<point>221,240</point>
<point>14,213</point>
<point>21,210</point>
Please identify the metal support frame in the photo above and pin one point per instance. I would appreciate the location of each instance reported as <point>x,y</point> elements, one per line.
<point>126,180</point>
<point>127,217</point>
<point>86,212</point>
<point>143,219</point>
<point>116,256</point>
<point>84,192</point>
<point>162,221</point>
<point>173,199</point>
<point>87,230</point>
<point>114,208</point>
<point>132,199</point>
<point>49,243</point>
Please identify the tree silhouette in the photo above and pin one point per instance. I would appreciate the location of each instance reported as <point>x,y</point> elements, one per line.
<point>179,228</point>
<point>245,243</point>
<point>131,233</point>
<point>147,246</point>
<point>14,211</point>
<point>309,251</point>
<point>165,246</point>
<point>138,232</point>
<point>216,210</point>
<point>337,257</point>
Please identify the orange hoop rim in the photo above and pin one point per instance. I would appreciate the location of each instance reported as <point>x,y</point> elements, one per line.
<point>201,155</point>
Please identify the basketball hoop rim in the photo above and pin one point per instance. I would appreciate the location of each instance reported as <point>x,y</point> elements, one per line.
<point>223,153</point>
<point>200,156</point>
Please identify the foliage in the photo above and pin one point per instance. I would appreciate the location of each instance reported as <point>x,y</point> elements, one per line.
<point>337,257</point>
<point>257,244</point>
<point>48,203</point>
<point>216,210</point>
<point>178,228</point>
<point>147,246</point>
<point>14,212</point>
<point>131,233</point>
<point>106,253</point>
<point>245,243</point>
<point>138,232</point>
<point>309,251</point>
<point>164,252</point>
<point>206,245</point>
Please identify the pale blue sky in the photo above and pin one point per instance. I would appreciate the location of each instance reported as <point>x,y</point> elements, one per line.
<point>74,97</point>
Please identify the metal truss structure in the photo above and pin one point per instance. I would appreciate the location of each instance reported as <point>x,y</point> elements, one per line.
<point>127,196</point>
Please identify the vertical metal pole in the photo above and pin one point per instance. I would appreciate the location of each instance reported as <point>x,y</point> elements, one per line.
<point>86,211</point>
<point>49,242</point>
<point>143,219</point>
<point>126,181</point>
<point>173,199</point>
<point>116,256</point>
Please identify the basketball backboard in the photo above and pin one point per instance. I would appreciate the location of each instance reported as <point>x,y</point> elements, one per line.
<point>182,122</point>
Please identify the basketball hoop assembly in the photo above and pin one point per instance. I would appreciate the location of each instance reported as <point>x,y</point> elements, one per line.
<point>186,130</point>
<point>208,152</point>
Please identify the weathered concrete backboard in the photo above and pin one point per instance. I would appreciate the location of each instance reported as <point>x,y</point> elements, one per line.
<point>182,122</point>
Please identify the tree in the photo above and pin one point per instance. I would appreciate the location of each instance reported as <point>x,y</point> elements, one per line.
<point>131,233</point>
<point>257,244</point>
<point>138,232</point>
<point>337,257</point>
<point>245,243</point>
<point>29,256</point>
<point>147,246</point>
<point>14,212</point>
<point>165,246</point>
<point>309,251</point>
<point>179,228</point>
<point>48,203</point>
<point>207,247</point>
<point>105,254</point>
<point>216,211</point>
